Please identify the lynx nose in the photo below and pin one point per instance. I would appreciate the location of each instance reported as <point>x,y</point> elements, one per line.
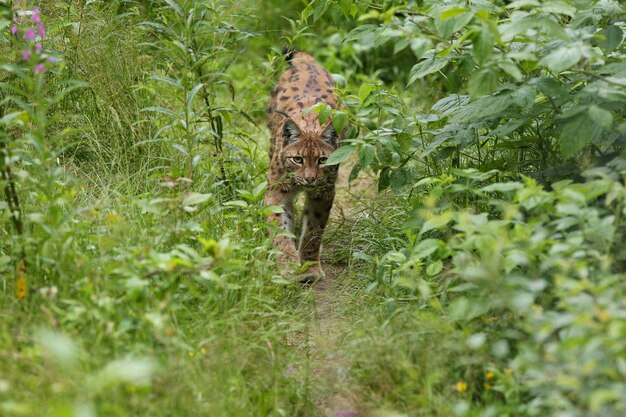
<point>310,180</point>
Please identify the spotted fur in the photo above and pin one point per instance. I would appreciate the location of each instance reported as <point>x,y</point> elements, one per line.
<point>298,149</point>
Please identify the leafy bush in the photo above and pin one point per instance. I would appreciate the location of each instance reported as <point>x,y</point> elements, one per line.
<point>536,277</point>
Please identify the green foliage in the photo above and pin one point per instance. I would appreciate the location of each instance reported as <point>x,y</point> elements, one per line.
<point>524,86</point>
<point>134,252</point>
<point>534,277</point>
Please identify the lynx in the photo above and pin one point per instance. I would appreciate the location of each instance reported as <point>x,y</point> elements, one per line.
<point>299,149</point>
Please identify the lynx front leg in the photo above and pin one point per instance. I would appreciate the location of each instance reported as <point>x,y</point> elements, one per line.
<point>317,207</point>
<point>285,244</point>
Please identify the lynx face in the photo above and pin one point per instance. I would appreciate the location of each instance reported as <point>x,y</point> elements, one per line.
<point>303,156</point>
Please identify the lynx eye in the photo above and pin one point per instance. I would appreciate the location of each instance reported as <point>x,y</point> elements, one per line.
<point>322,160</point>
<point>298,160</point>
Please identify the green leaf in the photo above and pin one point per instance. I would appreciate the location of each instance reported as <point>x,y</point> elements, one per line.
<point>192,199</point>
<point>503,187</point>
<point>611,38</point>
<point>562,58</point>
<point>398,179</point>
<point>521,26</point>
<point>324,114</point>
<point>434,268</point>
<point>577,132</point>
<point>383,179</point>
<point>364,91</point>
<point>346,7</point>
<point>340,154</point>
<point>450,22</point>
<point>320,8</point>
<point>176,7</point>
<point>436,222</point>
<point>483,82</point>
<point>400,45</point>
<point>601,117</point>
<point>511,69</point>
<point>340,120</point>
<point>557,7</point>
<point>420,45</point>
<point>366,155</point>
<point>425,248</point>
<point>428,66</point>
<point>483,45</point>
<point>452,12</point>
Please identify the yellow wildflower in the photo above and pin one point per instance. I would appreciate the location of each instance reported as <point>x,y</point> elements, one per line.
<point>461,386</point>
<point>489,376</point>
<point>21,283</point>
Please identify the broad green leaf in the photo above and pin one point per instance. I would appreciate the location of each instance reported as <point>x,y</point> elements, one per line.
<point>452,12</point>
<point>483,82</point>
<point>562,58</point>
<point>319,9</point>
<point>483,45</point>
<point>364,91</point>
<point>400,45</point>
<point>425,248</point>
<point>600,116</point>
<point>346,7</point>
<point>436,222</point>
<point>366,155</point>
<point>324,114</point>
<point>452,24</point>
<point>192,199</point>
<point>383,179</point>
<point>340,154</point>
<point>558,7</point>
<point>420,45</point>
<point>611,38</point>
<point>434,268</point>
<point>577,132</point>
<point>521,26</point>
<point>503,187</point>
<point>398,179</point>
<point>511,69</point>
<point>340,120</point>
<point>427,66</point>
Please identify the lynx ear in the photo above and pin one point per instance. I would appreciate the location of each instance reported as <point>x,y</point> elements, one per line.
<point>291,132</point>
<point>329,135</point>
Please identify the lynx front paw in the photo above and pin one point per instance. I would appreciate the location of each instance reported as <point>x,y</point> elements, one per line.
<point>310,273</point>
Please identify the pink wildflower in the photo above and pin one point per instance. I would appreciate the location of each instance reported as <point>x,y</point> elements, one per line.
<point>52,59</point>
<point>36,17</point>
<point>40,68</point>
<point>38,47</point>
<point>42,30</point>
<point>26,55</point>
<point>14,30</point>
<point>29,35</point>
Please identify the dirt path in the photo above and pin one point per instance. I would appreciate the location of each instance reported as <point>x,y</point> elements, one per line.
<point>330,326</point>
<point>328,333</point>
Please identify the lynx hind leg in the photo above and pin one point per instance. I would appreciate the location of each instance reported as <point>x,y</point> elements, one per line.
<point>314,219</point>
<point>288,257</point>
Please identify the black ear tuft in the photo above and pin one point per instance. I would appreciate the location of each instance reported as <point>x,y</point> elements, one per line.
<point>291,132</point>
<point>289,53</point>
<point>329,135</point>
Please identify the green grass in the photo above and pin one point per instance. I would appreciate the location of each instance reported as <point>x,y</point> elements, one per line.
<point>153,284</point>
